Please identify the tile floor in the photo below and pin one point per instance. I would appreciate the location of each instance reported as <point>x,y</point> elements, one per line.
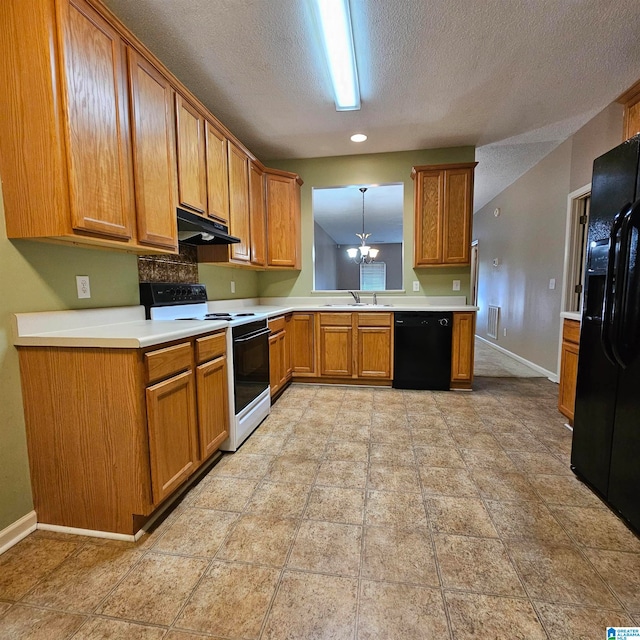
<point>354,513</point>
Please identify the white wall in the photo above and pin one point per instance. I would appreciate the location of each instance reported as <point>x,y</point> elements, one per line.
<point>325,260</point>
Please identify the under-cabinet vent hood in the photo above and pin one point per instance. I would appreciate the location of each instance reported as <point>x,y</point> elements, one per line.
<point>193,229</point>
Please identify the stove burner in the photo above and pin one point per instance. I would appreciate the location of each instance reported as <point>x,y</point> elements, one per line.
<point>218,316</point>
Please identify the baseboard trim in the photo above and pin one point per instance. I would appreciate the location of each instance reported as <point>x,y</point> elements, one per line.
<point>93,533</point>
<point>549,374</point>
<point>17,531</point>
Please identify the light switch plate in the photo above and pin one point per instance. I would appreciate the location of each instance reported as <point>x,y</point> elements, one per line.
<point>552,283</point>
<point>233,287</point>
<point>456,285</point>
<point>82,285</point>
<point>416,285</point>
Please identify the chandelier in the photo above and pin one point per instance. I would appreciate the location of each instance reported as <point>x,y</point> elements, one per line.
<point>363,253</point>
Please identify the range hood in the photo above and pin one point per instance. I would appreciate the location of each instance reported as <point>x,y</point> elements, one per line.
<point>193,229</point>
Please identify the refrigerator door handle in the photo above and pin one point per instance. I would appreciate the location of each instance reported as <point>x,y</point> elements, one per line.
<point>606,331</point>
<point>621,308</point>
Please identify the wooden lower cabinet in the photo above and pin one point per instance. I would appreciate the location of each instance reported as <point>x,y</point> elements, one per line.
<point>336,351</point>
<point>111,433</point>
<point>303,345</point>
<point>279,354</point>
<point>171,420</point>
<point>462,350</point>
<point>569,368</point>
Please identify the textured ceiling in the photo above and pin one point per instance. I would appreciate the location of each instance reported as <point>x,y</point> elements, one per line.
<point>513,77</point>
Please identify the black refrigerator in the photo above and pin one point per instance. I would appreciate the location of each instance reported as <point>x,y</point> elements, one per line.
<point>606,435</point>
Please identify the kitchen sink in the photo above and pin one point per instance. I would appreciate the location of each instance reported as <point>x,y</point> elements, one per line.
<point>358,304</point>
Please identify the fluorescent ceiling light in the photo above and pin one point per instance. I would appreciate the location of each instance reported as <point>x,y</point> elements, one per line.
<point>335,26</point>
<point>358,137</point>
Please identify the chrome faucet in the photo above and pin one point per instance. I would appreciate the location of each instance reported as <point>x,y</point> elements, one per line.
<point>356,296</point>
<point>375,298</point>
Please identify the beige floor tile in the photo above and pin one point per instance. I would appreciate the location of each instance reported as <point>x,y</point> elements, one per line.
<point>327,547</point>
<point>579,623</point>
<point>29,623</point>
<point>478,440</point>
<point>433,438</point>
<point>533,463</point>
<point>559,574</point>
<point>360,433</point>
<point>196,532</point>
<point>519,441</point>
<point>422,421</point>
<point>277,424</point>
<point>397,436</point>
<point>263,444</point>
<point>478,616</point>
<point>225,493</point>
<point>309,446</point>
<point>259,539</point>
<point>439,457</point>
<point>293,468</point>
<point>286,500</point>
<point>335,504</point>
<point>287,413</point>
<point>400,611</point>
<point>487,458</point>
<point>395,509</point>
<point>622,571</point>
<point>447,482</point>
<point>462,516</point>
<point>398,554</point>
<point>4,607</point>
<point>387,477</point>
<point>81,582</point>
<point>597,528</point>
<point>244,465</point>
<point>348,450</point>
<point>155,590</point>
<point>318,427</point>
<point>309,605</point>
<point>24,564</point>
<point>321,413</point>
<point>564,490</point>
<point>495,484</point>
<point>526,520</point>
<point>103,628</point>
<point>476,564</point>
<point>342,473</point>
<point>392,454</point>
<point>231,601</point>
<point>391,420</point>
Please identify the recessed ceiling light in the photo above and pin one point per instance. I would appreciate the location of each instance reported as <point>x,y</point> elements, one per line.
<point>358,137</point>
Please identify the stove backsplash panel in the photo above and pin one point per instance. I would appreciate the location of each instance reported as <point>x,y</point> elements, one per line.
<point>181,268</point>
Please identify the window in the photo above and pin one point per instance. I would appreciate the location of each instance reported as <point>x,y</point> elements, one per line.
<point>373,276</point>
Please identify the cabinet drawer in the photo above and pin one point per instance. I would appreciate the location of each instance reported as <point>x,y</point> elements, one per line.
<point>211,347</point>
<point>165,362</point>
<point>276,324</point>
<point>571,331</point>
<point>374,319</point>
<point>335,319</point>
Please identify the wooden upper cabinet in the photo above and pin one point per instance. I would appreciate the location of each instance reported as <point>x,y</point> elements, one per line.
<point>192,177</point>
<point>154,161</point>
<point>217,174</point>
<point>96,126</point>
<point>239,203</point>
<point>443,214</point>
<point>630,100</point>
<point>258,227</point>
<point>283,219</point>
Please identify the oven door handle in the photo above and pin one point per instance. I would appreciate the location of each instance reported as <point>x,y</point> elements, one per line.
<point>251,336</point>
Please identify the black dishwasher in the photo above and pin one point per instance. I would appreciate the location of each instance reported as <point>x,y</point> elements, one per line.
<point>422,350</point>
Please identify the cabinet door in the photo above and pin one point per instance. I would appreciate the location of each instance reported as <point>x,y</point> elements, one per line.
<point>171,421</point>
<point>239,202</point>
<point>275,364</point>
<point>429,207</point>
<point>192,179</point>
<point>97,122</point>
<point>302,344</point>
<point>213,406</point>
<point>257,225</point>
<point>458,190</point>
<point>336,351</point>
<point>281,242</point>
<point>462,350</point>
<point>217,174</point>
<point>154,161</point>
<point>374,352</point>
<point>288,333</point>
<point>568,377</point>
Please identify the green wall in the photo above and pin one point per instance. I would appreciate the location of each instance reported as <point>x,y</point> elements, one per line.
<point>377,168</point>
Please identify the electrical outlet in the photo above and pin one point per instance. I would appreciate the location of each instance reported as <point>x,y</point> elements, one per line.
<point>233,287</point>
<point>416,285</point>
<point>456,285</point>
<point>82,285</point>
<point>504,332</point>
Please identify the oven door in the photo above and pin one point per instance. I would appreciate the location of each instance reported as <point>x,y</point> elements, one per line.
<point>250,362</point>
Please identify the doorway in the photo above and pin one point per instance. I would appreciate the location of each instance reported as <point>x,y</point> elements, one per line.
<point>474,274</point>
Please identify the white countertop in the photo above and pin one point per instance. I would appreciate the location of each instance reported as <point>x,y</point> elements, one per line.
<point>571,315</point>
<point>126,327</point>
